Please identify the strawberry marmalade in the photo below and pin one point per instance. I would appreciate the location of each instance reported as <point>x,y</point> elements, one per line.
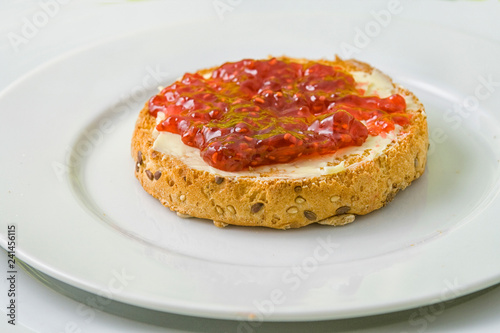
<point>260,112</point>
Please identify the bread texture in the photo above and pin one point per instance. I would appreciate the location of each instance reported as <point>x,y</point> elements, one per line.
<point>366,182</point>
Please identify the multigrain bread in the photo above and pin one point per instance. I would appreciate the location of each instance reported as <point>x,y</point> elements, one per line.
<point>352,184</point>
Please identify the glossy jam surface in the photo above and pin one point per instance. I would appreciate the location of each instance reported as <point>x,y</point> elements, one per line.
<point>260,112</point>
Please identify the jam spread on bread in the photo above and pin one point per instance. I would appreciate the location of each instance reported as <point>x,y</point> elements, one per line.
<point>261,112</point>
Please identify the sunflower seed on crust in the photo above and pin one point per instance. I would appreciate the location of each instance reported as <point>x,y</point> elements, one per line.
<point>342,210</point>
<point>256,207</point>
<point>310,215</point>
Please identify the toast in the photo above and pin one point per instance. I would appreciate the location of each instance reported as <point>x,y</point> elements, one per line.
<point>330,189</point>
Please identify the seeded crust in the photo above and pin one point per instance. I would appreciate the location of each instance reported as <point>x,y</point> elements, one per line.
<point>364,186</point>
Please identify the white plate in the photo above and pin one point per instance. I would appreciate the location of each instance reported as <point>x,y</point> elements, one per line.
<point>67,180</point>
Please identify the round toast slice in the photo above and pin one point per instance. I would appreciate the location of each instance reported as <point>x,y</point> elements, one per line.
<point>329,190</point>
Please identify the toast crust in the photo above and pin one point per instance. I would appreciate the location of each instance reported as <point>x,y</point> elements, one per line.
<point>334,199</point>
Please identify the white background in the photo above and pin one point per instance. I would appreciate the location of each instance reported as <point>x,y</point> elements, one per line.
<point>74,24</point>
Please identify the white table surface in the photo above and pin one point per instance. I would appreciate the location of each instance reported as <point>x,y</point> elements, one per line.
<point>73,24</point>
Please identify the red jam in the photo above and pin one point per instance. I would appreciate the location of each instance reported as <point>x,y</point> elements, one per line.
<point>260,112</point>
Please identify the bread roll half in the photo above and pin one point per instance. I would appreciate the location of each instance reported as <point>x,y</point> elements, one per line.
<point>329,189</point>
